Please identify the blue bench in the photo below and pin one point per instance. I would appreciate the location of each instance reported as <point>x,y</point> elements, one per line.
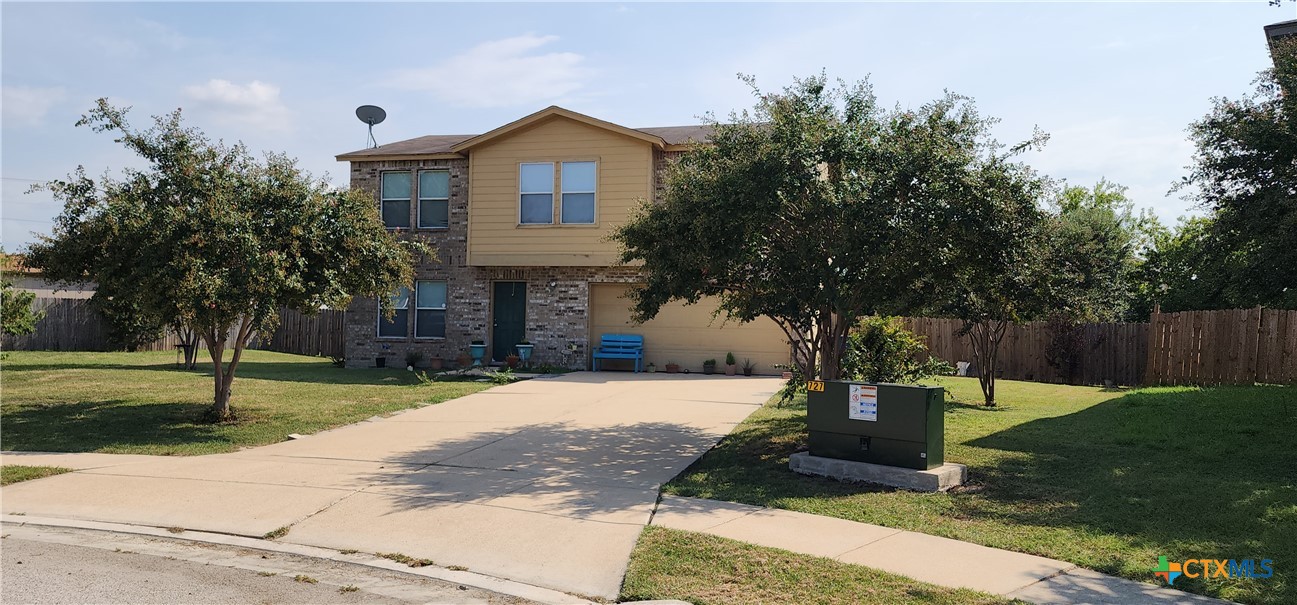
<point>619,346</point>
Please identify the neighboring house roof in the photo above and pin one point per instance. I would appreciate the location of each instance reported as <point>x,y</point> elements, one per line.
<point>452,145</point>
<point>681,135</point>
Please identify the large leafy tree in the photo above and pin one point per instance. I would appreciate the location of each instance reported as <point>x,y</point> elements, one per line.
<point>209,237</point>
<point>17,317</point>
<point>1244,174</point>
<point>818,207</point>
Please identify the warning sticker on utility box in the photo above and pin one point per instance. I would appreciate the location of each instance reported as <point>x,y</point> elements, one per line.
<point>863,403</point>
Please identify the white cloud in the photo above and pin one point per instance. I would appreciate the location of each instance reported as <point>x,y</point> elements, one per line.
<point>1147,157</point>
<point>256,104</point>
<point>28,104</point>
<point>500,73</point>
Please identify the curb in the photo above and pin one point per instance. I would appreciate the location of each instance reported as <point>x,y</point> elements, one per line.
<point>511,588</point>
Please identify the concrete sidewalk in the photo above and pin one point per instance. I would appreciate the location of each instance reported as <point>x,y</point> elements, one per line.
<point>931,559</point>
<point>547,481</point>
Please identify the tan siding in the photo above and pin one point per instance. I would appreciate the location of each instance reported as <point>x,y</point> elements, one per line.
<point>495,238</point>
<point>687,335</point>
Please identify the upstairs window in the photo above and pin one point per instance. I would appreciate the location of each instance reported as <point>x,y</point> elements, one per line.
<point>430,309</point>
<point>399,325</point>
<point>395,200</point>
<point>578,193</point>
<point>434,199</point>
<point>536,186</point>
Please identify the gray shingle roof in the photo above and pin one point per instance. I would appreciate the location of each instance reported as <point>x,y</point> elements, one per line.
<point>441,143</point>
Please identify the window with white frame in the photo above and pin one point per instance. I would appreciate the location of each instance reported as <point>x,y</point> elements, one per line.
<point>395,200</point>
<point>430,309</point>
<point>536,188</point>
<point>399,325</point>
<point>578,182</point>
<point>434,199</point>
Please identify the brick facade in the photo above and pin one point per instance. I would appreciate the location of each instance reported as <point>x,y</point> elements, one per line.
<point>557,321</point>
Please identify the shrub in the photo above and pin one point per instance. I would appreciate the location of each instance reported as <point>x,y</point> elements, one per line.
<point>880,350</point>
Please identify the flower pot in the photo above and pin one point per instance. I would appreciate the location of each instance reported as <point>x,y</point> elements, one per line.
<point>524,352</point>
<point>731,369</point>
<point>709,368</point>
<point>672,368</point>
<point>511,361</point>
<point>436,363</point>
<point>786,375</point>
<point>478,351</point>
<point>747,371</point>
<point>650,368</point>
<point>380,362</point>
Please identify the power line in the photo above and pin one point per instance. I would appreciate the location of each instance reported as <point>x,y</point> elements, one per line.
<point>14,178</point>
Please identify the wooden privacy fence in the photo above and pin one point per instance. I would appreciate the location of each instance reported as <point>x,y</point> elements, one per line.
<point>319,334</point>
<point>1109,352</point>
<point>1234,346</point>
<point>72,324</point>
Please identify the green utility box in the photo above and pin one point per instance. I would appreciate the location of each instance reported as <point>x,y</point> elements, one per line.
<point>888,424</point>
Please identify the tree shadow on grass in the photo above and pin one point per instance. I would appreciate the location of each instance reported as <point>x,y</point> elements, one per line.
<point>1191,473</point>
<point>107,425</point>
<point>286,371</point>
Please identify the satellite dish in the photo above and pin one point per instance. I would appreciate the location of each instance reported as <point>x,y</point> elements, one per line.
<point>371,114</point>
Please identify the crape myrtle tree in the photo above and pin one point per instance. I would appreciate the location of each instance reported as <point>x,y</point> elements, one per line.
<point>209,237</point>
<point>818,207</point>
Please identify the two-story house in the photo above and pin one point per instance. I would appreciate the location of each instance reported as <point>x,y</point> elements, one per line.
<point>520,218</point>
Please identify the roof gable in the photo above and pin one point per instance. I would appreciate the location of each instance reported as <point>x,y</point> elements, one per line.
<point>552,112</point>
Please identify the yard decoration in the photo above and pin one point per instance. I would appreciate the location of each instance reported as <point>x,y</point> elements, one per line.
<point>731,366</point>
<point>209,236</point>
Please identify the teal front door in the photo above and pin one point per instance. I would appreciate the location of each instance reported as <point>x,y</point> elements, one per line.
<point>508,318</point>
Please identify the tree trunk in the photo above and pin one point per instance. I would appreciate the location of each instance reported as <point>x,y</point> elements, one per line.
<point>985,337</point>
<point>223,375</point>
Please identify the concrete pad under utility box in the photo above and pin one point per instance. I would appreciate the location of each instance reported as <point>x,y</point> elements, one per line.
<point>937,479</point>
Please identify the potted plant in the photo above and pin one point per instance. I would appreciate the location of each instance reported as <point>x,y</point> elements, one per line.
<point>709,366</point>
<point>650,368</point>
<point>412,359</point>
<point>524,351</point>
<point>436,362</point>
<point>731,366</point>
<point>672,367</point>
<point>478,350</point>
<point>748,366</point>
<point>511,360</point>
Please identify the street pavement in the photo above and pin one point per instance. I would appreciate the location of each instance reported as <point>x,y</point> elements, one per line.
<point>69,566</point>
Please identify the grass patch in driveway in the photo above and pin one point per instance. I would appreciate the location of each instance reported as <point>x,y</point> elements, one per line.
<point>1108,480</point>
<point>708,570</point>
<point>13,473</point>
<point>138,403</point>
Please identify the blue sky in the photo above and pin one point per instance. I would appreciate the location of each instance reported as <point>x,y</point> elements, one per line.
<point>1115,84</point>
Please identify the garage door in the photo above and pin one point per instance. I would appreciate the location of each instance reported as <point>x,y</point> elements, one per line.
<point>687,335</point>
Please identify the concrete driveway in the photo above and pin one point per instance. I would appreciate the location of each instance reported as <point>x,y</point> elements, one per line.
<point>546,481</point>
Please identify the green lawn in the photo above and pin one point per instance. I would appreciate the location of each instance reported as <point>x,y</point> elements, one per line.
<point>13,473</point>
<point>707,570</point>
<point>138,403</point>
<point>1106,480</point>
